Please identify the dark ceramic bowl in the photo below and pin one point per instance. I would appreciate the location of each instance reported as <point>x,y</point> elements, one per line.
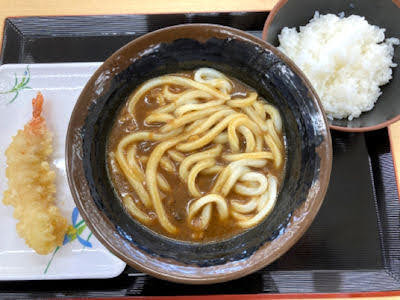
<point>237,54</point>
<point>383,13</point>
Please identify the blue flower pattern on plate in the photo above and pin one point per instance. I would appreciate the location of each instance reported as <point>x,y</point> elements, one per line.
<point>74,232</point>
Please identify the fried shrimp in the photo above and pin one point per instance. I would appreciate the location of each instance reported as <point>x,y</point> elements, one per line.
<point>31,188</point>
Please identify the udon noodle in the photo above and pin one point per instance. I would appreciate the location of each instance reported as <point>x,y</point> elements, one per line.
<point>203,134</point>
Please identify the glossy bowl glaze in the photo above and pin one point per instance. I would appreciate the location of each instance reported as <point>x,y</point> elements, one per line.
<point>383,13</point>
<point>238,54</point>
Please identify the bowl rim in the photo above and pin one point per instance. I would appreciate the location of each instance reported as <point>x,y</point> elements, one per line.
<point>381,125</point>
<point>311,206</point>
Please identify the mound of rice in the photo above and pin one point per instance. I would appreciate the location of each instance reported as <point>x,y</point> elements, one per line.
<point>346,60</point>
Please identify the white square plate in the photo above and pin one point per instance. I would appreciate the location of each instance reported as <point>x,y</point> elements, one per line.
<point>82,257</point>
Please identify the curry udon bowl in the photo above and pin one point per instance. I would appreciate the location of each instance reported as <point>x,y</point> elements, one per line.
<point>238,55</point>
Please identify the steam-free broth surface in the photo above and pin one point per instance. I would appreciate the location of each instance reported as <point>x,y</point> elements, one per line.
<point>179,200</point>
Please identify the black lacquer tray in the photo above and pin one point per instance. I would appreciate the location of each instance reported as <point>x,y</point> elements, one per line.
<point>352,246</point>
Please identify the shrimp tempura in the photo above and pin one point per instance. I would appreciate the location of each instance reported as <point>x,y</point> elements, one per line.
<point>31,188</point>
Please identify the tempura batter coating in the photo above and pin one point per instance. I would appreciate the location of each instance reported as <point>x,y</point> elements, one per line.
<point>31,185</point>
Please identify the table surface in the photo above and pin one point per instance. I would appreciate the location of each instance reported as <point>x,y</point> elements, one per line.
<point>21,8</point>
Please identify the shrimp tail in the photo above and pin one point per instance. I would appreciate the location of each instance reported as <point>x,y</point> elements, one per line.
<point>37,104</point>
<point>37,119</point>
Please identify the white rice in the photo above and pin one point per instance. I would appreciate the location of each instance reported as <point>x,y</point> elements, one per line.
<point>346,60</point>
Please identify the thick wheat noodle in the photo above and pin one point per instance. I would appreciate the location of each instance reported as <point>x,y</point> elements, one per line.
<point>243,102</point>
<point>191,96</point>
<point>132,138</point>
<point>151,179</point>
<point>234,140</point>
<point>176,155</point>
<point>259,143</point>
<point>239,216</point>
<point>212,120</point>
<point>170,96</point>
<point>135,211</point>
<point>275,116</point>
<point>163,183</point>
<point>249,137</point>
<point>194,171</point>
<point>212,170</point>
<point>245,121</point>
<point>222,177</point>
<point>170,79</point>
<point>199,126</point>
<point>262,201</point>
<point>238,123</point>
<point>187,97</point>
<point>226,172</point>
<point>209,74</point>
<point>259,109</point>
<point>192,159</point>
<point>204,219</point>
<point>195,125</point>
<point>146,136</point>
<point>213,78</point>
<point>272,132</point>
<point>188,118</point>
<point>222,206</point>
<point>134,175</point>
<point>167,164</point>
<point>252,155</point>
<point>158,118</point>
<point>172,106</point>
<point>221,85</point>
<point>206,214</point>
<point>196,107</point>
<point>133,179</point>
<point>231,181</point>
<point>249,110</point>
<point>208,137</point>
<point>136,137</point>
<point>274,149</point>
<point>242,189</point>
<point>221,138</point>
<point>267,201</point>
<point>245,208</point>
<point>131,157</point>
